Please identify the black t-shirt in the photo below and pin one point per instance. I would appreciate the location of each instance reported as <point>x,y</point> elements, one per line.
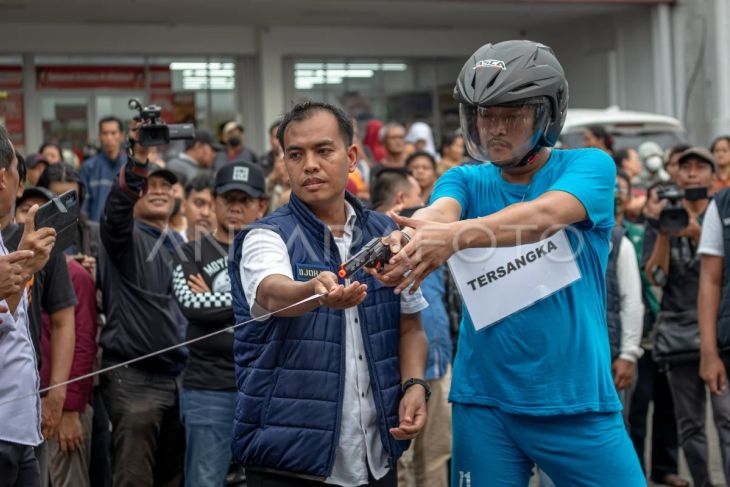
<point>51,289</point>
<point>210,363</point>
<point>683,279</point>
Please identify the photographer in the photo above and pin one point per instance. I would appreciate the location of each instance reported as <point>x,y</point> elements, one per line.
<point>673,264</point>
<point>135,272</point>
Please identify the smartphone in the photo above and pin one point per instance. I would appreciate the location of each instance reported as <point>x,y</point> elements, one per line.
<point>62,214</point>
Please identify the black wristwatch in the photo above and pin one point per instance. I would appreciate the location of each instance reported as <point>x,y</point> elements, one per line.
<point>404,387</point>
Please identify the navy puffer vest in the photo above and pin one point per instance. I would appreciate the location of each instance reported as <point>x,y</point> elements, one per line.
<point>613,294</point>
<point>722,200</point>
<point>290,371</point>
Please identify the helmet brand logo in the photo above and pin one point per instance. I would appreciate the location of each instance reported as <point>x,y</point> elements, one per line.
<point>490,62</point>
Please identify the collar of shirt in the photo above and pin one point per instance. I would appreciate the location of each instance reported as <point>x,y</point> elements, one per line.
<point>350,219</point>
<point>119,161</point>
<point>186,158</point>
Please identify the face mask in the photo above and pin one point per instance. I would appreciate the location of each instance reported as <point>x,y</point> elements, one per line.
<point>234,140</point>
<point>654,163</point>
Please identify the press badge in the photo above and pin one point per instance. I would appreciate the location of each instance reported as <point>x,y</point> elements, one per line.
<point>307,272</point>
<point>500,281</point>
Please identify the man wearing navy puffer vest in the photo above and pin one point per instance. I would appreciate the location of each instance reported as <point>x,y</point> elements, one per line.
<point>329,391</point>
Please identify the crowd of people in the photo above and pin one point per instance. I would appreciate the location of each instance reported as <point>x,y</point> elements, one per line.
<point>149,270</point>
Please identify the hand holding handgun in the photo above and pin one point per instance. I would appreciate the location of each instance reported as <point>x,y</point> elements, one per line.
<point>374,254</point>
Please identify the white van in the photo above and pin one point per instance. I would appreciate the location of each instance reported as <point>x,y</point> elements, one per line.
<point>629,129</point>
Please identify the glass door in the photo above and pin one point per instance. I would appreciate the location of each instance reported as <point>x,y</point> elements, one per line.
<point>65,119</point>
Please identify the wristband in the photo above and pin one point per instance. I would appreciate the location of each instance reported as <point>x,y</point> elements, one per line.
<point>410,382</point>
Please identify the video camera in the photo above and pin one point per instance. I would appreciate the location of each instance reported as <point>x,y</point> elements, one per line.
<point>156,132</point>
<point>674,217</point>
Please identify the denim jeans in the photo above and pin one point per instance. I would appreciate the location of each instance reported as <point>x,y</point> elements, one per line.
<point>207,416</point>
<point>18,465</point>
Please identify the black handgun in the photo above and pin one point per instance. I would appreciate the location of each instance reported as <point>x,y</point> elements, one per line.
<point>374,254</point>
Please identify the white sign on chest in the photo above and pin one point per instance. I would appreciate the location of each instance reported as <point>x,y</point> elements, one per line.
<point>498,282</point>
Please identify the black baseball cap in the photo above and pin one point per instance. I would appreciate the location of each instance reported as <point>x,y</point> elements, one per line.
<point>241,176</point>
<point>35,192</point>
<point>203,137</point>
<point>169,176</point>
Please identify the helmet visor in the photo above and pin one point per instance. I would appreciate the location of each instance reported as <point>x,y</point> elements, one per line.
<point>504,134</point>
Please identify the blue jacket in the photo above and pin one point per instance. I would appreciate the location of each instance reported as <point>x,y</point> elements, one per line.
<point>98,173</point>
<point>436,325</point>
<point>290,371</point>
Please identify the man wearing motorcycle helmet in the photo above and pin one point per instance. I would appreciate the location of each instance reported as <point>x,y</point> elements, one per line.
<point>536,387</point>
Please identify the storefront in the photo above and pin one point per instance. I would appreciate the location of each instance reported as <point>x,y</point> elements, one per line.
<point>74,92</point>
<point>252,60</point>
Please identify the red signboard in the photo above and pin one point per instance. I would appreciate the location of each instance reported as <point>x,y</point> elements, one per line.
<point>11,78</point>
<point>85,77</point>
<point>11,115</point>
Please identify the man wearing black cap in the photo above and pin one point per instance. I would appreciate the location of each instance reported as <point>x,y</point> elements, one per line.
<point>135,274</point>
<point>674,265</point>
<point>203,291</point>
<point>198,156</point>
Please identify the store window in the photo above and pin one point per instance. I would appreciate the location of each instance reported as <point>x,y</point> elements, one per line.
<point>403,90</point>
<point>76,91</point>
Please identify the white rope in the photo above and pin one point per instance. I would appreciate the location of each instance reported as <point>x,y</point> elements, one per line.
<point>165,350</point>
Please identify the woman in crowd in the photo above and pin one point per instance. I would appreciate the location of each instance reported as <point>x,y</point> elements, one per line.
<point>422,167</point>
<point>452,152</point>
<point>720,148</point>
<point>597,136</point>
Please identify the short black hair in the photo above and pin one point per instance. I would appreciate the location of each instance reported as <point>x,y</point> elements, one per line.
<point>387,183</point>
<point>200,182</point>
<point>678,149</point>
<point>111,118</point>
<point>275,125</point>
<point>62,173</point>
<point>619,156</point>
<point>303,111</point>
<point>6,149</point>
<point>50,144</point>
<point>421,153</point>
<point>623,175</point>
<point>22,168</point>
<point>600,132</point>
<point>448,139</point>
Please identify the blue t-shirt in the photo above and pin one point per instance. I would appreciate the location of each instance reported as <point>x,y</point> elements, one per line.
<point>552,357</point>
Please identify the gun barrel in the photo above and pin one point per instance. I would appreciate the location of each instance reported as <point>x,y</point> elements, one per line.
<point>368,255</point>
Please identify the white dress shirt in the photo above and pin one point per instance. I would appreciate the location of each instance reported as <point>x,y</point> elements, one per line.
<point>263,254</point>
<point>632,308</point>
<point>20,420</point>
